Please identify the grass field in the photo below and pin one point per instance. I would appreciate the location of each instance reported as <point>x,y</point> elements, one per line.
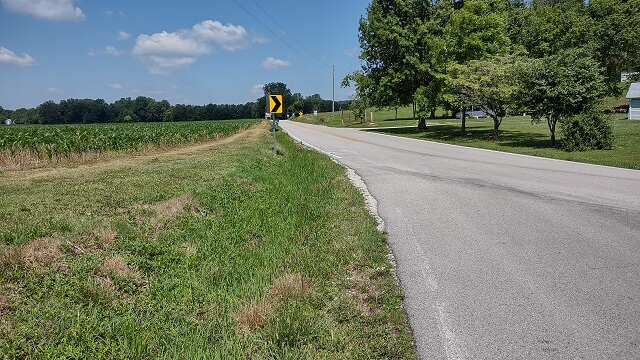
<point>517,135</point>
<point>213,251</point>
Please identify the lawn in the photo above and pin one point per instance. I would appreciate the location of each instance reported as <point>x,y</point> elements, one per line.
<point>517,135</point>
<point>215,251</point>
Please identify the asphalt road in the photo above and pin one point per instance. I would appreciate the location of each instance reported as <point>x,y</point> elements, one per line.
<point>503,256</point>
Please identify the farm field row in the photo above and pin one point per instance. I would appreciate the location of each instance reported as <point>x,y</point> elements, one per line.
<point>222,251</point>
<point>28,144</point>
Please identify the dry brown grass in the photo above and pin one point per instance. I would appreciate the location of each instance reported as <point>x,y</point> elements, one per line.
<point>10,256</point>
<point>4,303</point>
<point>116,266</point>
<point>255,314</point>
<point>170,208</point>
<point>43,253</point>
<point>292,286</point>
<point>105,237</point>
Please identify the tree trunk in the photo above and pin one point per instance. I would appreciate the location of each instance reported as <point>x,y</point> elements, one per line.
<point>552,127</point>
<point>396,114</point>
<point>496,124</point>
<point>414,110</point>
<point>433,113</point>
<point>422,124</point>
<point>463,116</point>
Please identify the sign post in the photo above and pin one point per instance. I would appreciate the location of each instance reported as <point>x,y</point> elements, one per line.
<point>276,106</point>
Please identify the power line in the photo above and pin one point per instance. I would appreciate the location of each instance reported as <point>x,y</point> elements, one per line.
<point>285,31</point>
<point>276,35</point>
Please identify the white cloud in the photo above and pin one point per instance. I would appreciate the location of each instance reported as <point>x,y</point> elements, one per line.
<point>165,51</point>
<point>62,10</point>
<point>228,37</point>
<point>116,86</point>
<point>9,57</point>
<point>273,63</point>
<point>164,43</point>
<point>123,35</point>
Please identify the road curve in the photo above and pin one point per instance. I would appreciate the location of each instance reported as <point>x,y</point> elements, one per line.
<point>503,256</point>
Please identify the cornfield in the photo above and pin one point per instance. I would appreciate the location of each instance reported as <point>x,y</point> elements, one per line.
<point>54,142</point>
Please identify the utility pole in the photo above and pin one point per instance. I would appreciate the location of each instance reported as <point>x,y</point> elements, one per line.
<point>333,92</point>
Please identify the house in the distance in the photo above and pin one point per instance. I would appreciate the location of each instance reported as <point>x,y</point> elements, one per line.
<point>634,101</point>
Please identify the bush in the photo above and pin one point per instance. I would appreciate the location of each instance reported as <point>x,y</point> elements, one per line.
<point>587,131</point>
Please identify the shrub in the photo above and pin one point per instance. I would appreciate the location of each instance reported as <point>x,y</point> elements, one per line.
<point>588,131</point>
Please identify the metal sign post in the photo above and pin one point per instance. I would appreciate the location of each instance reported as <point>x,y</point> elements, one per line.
<point>275,128</point>
<point>275,105</point>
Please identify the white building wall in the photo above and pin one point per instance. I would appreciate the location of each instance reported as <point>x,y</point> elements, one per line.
<point>634,109</point>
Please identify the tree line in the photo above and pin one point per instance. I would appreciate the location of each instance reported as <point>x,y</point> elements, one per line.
<point>145,109</point>
<point>553,59</point>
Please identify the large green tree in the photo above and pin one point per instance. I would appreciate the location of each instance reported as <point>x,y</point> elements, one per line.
<point>476,31</point>
<point>395,51</point>
<point>559,86</point>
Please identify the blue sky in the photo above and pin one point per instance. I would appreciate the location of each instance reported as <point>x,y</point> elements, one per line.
<point>190,52</point>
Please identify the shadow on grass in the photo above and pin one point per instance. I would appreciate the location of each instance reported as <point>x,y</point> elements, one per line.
<point>451,134</point>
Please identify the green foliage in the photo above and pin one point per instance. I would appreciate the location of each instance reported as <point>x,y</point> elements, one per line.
<point>394,37</point>
<point>560,86</point>
<point>476,31</point>
<point>588,131</point>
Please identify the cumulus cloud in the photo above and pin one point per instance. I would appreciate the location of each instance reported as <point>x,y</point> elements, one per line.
<point>164,51</point>
<point>228,37</point>
<point>123,35</point>
<point>9,57</point>
<point>61,10</point>
<point>273,63</point>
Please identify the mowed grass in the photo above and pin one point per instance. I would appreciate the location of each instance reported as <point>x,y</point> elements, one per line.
<point>221,252</point>
<point>517,135</point>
